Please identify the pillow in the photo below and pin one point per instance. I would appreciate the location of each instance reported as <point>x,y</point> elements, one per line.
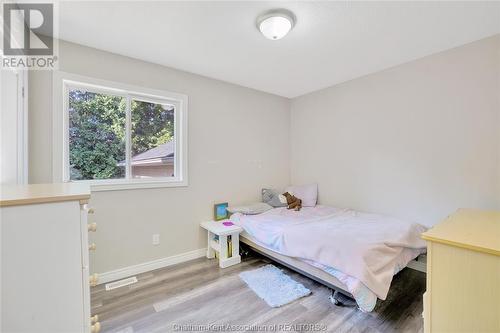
<point>252,209</point>
<point>271,197</point>
<point>307,193</point>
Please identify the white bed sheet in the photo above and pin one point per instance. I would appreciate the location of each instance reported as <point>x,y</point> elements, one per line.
<point>266,229</point>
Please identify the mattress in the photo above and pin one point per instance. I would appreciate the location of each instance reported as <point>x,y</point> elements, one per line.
<point>268,235</point>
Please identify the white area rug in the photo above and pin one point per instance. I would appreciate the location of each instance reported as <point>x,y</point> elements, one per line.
<point>274,286</point>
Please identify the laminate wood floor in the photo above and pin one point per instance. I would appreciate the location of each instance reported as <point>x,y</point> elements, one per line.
<point>199,293</point>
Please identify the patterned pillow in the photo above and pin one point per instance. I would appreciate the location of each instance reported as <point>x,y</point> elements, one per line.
<point>271,197</point>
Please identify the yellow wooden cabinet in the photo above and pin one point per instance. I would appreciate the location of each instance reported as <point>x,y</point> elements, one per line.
<point>463,273</point>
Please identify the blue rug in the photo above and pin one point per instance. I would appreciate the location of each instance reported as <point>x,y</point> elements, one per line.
<point>274,286</point>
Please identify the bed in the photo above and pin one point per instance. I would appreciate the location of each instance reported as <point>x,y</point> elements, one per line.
<point>353,253</point>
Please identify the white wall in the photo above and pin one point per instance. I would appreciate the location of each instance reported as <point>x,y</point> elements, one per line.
<point>416,141</point>
<point>238,143</point>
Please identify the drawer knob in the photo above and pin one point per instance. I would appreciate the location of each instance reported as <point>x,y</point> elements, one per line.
<point>94,319</point>
<point>92,226</point>
<point>93,279</point>
<point>95,328</point>
<point>92,247</point>
<point>91,211</point>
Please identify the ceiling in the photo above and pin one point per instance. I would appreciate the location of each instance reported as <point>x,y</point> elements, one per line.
<point>332,42</point>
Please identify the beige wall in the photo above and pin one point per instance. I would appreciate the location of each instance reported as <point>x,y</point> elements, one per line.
<point>238,143</point>
<point>416,141</point>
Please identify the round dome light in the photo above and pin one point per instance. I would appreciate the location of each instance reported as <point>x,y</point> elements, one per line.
<point>276,24</point>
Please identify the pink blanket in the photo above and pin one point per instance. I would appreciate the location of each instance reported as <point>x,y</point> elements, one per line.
<point>365,246</point>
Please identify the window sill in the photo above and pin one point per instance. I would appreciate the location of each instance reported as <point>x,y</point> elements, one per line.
<point>129,184</point>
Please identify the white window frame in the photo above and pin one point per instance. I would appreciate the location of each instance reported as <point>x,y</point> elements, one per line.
<point>63,81</point>
<point>17,131</point>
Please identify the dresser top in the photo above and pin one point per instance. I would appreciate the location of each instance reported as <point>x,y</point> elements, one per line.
<point>469,228</point>
<point>14,195</point>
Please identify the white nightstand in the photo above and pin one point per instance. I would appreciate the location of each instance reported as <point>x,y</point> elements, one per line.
<point>217,228</point>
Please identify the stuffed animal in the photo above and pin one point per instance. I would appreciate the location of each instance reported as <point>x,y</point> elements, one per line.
<point>291,201</point>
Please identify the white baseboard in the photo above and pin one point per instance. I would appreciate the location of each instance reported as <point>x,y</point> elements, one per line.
<point>124,272</point>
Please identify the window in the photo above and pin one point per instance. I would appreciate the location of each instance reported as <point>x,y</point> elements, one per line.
<point>153,132</point>
<point>96,134</point>
<point>118,136</point>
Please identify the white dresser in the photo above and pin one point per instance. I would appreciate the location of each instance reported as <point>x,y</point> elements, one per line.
<point>45,274</point>
<point>463,273</point>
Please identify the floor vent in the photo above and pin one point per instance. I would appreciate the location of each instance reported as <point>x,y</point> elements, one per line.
<point>121,283</point>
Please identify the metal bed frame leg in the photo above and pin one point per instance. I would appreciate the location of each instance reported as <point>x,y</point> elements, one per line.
<point>334,299</point>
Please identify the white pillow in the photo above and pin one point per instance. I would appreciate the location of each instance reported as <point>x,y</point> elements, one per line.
<point>307,193</point>
<point>252,209</point>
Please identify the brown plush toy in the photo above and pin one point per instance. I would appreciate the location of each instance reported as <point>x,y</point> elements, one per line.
<point>292,201</point>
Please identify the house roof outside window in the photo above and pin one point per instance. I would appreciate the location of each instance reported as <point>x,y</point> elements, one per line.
<point>160,155</point>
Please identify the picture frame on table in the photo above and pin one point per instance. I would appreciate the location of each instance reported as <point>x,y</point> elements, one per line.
<point>220,211</point>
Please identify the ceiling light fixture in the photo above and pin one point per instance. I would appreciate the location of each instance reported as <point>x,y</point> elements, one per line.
<point>276,24</point>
